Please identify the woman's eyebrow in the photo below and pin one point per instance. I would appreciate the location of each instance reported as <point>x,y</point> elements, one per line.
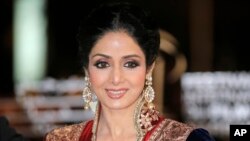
<point>125,57</point>
<point>131,56</point>
<point>102,55</point>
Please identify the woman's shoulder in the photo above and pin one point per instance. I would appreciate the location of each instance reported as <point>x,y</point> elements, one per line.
<point>67,133</point>
<point>170,124</point>
<point>174,130</point>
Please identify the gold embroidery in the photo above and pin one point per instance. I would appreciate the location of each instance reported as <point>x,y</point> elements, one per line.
<point>167,130</point>
<point>170,130</point>
<point>67,133</point>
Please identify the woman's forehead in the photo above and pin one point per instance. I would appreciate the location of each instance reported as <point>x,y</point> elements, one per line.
<point>115,43</point>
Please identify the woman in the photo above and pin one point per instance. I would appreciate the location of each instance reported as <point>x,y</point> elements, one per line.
<point>118,46</point>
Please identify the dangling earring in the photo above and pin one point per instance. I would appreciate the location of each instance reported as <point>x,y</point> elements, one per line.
<point>146,116</point>
<point>86,94</point>
<point>149,93</point>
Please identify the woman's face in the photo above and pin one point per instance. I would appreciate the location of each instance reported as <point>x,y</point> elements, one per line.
<point>117,70</point>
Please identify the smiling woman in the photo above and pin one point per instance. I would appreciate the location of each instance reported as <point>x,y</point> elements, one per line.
<point>118,45</point>
<point>117,71</point>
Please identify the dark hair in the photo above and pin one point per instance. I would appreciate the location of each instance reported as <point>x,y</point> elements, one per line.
<point>119,17</point>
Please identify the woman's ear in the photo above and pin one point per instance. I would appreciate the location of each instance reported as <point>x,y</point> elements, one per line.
<point>150,69</point>
<point>86,72</point>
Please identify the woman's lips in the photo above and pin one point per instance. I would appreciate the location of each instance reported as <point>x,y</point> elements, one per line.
<point>116,93</point>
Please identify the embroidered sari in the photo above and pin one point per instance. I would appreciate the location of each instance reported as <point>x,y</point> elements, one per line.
<point>165,130</point>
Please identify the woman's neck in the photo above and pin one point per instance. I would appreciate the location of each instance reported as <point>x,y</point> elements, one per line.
<point>116,124</point>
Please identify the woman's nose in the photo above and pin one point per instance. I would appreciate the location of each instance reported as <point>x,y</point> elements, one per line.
<point>117,76</point>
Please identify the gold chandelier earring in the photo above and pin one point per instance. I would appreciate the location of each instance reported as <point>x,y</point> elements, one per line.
<point>87,94</point>
<point>146,116</point>
<point>149,93</point>
<point>149,109</point>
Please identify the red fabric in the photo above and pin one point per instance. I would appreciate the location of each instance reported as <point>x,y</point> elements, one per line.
<point>87,132</point>
<point>149,133</point>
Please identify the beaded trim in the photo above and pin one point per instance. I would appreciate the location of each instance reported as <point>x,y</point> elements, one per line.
<point>67,133</point>
<point>171,130</point>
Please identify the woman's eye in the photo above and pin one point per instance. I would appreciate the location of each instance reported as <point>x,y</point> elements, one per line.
<point>131,64</point>
<point>101,65</point>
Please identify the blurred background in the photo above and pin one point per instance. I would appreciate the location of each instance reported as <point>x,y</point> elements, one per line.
<point>203,67</point>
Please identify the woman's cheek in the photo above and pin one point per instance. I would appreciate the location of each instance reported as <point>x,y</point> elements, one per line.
<point>137,77</point>
<point>98,77</point>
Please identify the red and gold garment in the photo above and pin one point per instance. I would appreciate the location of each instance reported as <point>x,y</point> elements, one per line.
<point>165,130</point>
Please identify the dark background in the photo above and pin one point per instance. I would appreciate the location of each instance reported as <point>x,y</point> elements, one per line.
<point>230,25</point>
